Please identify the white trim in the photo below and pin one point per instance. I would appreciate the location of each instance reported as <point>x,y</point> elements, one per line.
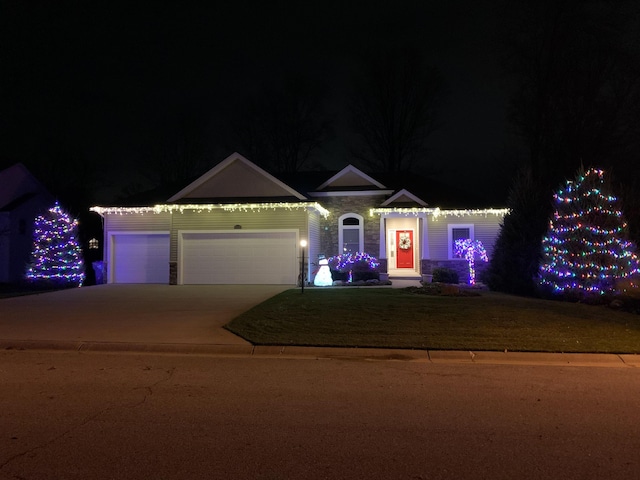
<point>180,236</point>
<point>424,232</point>
<point>450,227</point>
<point>404,193</point>
<point>392,262</point>
<point>111,246</point>
<point>234,157</point>
<point>383,241</point>
<point>349,193</point>
<point>350,227</point>
<point>351,169</point>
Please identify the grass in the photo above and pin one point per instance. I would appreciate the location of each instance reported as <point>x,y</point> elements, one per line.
<point>398,318</point>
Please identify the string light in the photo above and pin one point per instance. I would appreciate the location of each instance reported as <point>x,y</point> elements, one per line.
<point>208,208</point>
<point>586,250</point>
<point>467,248</point>
<point>347,261</point>
<point>56,254</point>
<point>437,212</point>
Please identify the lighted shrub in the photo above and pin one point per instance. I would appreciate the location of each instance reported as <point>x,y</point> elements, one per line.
<point>354,267</point>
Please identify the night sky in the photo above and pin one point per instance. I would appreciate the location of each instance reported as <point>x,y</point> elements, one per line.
<point>87,82</point>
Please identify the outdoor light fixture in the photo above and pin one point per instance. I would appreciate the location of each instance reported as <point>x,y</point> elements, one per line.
<point>303,243</point>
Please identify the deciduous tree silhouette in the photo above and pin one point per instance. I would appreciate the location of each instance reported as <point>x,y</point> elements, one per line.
<point>176,146</point>
<point>282,126</point>
<point>394,110</point>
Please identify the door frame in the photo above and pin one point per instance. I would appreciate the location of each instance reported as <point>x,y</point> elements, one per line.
<point>392,252</point>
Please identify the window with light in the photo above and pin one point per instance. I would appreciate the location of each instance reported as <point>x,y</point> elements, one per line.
<point>458,232</point>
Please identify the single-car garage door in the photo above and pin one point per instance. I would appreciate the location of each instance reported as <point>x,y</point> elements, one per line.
<point>256,257</point>
<point>140,258</point>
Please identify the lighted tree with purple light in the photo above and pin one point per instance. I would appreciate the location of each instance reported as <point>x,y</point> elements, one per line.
<point>56,256</point>
<point>470,249</point>
<point>586,249</point>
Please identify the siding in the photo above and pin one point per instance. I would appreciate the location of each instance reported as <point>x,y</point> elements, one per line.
<point>148,222</point>
<point>313,241</point>
<point>138,222</point>
<point>486,229</point>
<point>224,220</point>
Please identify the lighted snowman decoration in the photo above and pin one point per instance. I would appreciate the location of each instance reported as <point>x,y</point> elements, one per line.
<point>323,277</point>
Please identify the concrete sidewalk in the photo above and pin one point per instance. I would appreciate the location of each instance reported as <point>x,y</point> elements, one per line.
<point>188,319</point>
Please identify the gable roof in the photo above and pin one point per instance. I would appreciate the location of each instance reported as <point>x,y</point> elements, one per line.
<point>17,185</point>
<point>236,177</point>
<point>403,197</point>
<point>350,176</point>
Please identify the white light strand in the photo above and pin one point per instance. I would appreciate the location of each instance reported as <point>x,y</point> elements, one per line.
<point>437,212</point>
<point>200,208</point>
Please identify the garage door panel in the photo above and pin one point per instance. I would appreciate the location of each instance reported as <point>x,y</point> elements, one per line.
<point>239,258</point>
<point>141,258</point>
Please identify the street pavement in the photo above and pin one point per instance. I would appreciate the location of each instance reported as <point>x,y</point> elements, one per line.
<point>104,415</point>
<point>189,319</point>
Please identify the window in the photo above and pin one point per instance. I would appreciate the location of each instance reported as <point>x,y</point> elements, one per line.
<point>350,233</point>
<point>458,232</point>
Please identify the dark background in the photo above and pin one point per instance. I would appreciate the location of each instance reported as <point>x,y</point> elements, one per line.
<point>92,92</point>
<point>89,88</point>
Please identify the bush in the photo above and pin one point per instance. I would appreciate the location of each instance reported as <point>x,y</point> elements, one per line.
<point>445,275</point>
<point>362,266</point>
<point>513,267</point>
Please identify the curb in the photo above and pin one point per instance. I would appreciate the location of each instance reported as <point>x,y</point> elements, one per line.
<point>328,353</point>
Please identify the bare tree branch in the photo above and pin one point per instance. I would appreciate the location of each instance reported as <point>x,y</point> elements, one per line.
<point>282,127</point>
<point>394,110</point>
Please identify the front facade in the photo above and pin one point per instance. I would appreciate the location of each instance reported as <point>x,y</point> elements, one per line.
<point>237,224</point>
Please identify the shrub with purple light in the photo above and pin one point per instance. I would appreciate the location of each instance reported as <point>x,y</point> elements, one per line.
<point>354,262</point>
<point>586,249</point>
<point>56,255</point>
<point>347,261</point>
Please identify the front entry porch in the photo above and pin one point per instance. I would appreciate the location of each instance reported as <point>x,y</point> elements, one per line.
<point>402,247</point>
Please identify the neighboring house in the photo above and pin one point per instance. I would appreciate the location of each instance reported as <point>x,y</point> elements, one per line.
<point>238,224</point>
<point>22,199</point>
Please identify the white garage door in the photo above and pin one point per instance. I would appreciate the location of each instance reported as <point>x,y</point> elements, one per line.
<point>239,258</point>
<point>140,258</point>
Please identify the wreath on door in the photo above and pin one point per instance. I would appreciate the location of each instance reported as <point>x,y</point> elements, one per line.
<point>405,242</point>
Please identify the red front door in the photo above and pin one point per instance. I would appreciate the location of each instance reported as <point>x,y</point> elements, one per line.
<point>404,248</point>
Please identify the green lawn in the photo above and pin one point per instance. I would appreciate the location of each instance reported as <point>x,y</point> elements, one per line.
<point>397,318</point>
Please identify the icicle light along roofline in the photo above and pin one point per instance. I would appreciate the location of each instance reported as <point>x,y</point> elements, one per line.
<point>210,207</point>
<point>438,212</point>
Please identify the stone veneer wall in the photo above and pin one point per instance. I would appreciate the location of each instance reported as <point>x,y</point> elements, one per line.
<point>339,206</point>
<point>460,266</point>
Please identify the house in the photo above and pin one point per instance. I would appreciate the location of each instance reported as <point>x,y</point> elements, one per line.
<point>22,199</point>
<point>238,224</point>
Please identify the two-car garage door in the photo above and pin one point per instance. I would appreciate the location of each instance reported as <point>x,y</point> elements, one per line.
<point>251,257</point>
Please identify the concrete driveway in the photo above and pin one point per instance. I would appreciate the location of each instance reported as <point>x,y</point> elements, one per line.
<point>133,314</point>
